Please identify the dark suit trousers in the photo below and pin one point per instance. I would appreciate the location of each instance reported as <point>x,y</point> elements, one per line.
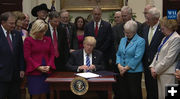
<point>129,86</point>
<point>151,85</point>
<point>9,90</point>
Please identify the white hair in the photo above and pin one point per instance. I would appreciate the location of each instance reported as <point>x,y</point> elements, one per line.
<point>127,8</point>
<point>154,12</point>
<point>131,26</point>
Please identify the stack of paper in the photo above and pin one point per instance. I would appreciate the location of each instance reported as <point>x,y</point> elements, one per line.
<point>88,75</point>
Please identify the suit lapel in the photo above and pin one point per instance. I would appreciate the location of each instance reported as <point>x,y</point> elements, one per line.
<point>94,57</point>
<point>5,39</point>
<point>48,33</point>
<point>92,28</point>
<point>146,34</point>
<point>155,35</point>
<point>2,34</point>
<point>81,57</point>
<point>13,35</point>
<point>131,43</point>
<point>100,30</point>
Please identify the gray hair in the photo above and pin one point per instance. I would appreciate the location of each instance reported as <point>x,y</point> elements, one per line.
<point>118,12</point>
<point>150,5</point>
<point>4,16</point>
<point>54,14</point>
<point>63,11</point>
<point>131,26</point>
<point>154,12</point>
<point>127,8</point>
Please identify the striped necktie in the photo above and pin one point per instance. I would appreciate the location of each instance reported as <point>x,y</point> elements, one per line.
<point>87,60</point>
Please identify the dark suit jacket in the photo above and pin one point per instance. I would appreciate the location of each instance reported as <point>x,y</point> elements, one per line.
<point>11,63</point>
<point>72,35</point>
<point>76,59</point>
<point>62,48</point>
<point>104,40</point>
<point>150,50</point>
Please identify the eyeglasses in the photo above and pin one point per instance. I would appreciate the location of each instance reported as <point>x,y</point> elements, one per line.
<point>127,32</point>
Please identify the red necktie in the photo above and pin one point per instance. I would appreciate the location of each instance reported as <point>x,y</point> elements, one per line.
<point>68,36</point>
<point>9,41</point>
<point>96,29</point>
<point>55,43</point>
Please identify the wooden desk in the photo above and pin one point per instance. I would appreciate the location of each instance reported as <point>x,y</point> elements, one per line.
<point>61,81</point>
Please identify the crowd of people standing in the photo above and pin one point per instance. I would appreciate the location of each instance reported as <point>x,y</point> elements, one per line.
<point>128,47</point>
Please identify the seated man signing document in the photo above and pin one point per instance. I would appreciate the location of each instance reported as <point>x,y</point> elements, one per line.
<point>86,59</point>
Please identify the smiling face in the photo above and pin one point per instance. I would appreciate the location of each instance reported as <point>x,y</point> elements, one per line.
<point>42,14</point>
<point>54,22</point>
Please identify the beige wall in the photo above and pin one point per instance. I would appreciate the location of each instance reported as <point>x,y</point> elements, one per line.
<point>136,5</point>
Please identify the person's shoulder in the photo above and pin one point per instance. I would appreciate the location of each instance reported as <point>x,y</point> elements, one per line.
<point>29,38</point>
<point>139,23</point>
<point>97,51</point>
<point>140,39</point>
<point>77,52</point>
<point>16,32</point>
<point>89,23</point>
<point>105,22</point>
<point>47,38</point>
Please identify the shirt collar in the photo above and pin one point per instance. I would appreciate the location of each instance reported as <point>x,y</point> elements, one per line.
<point>155,26</point>
<point>84,52</point>
<point>4,30</point>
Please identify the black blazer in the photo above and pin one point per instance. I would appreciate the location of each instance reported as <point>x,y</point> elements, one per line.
<point>104,40</point>
<point>11,63</point>
<point>63,48</point>
<point>72,33</point>
<point>76,59</point>
<point>150,50</point>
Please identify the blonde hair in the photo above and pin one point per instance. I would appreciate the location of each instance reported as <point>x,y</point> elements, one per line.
<point>19,15</point>
<point>169,23</point>
<point>90,39</point>
<point>38,26</point>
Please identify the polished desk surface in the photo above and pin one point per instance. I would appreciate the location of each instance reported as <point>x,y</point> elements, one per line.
<point>69,76</point>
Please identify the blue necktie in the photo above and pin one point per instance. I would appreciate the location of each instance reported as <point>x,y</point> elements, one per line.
<point>87,60</point>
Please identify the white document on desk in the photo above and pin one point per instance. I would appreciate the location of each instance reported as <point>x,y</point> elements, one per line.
<point>88,75</point>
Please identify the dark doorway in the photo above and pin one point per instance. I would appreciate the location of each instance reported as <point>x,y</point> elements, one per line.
<point>170,4</point>
<point>10,5</point>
